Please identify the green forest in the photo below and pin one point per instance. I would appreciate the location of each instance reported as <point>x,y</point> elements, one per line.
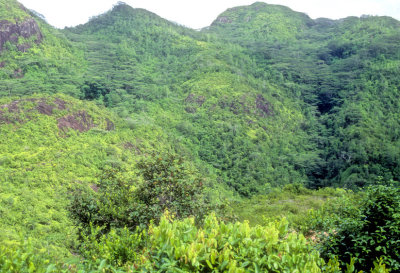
<point>266,142</point>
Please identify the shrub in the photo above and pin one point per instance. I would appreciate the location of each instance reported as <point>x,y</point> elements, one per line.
<point>23,257</point>
<point>343,207</point>
<point>181,246</point>
<point>373,235</point>
<point>121,201</point>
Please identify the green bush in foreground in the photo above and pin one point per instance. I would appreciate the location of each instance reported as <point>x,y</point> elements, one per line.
<point>181,246</point>
<point>22,258</point>
<point>370,234</point>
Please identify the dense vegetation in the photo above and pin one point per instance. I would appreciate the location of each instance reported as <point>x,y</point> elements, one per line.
<point>345,70</point>
<point>267,142</point>
<point>221,117</point>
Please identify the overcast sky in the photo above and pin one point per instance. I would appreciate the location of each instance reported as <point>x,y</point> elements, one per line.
<point>200,13</point>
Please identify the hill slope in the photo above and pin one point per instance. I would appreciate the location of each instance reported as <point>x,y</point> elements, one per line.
<point>224,94</point>
<point>235,126</point>
<point>264,96</point>
<point>347,69</point>
<point>51,145</point>
<point>35,57</point>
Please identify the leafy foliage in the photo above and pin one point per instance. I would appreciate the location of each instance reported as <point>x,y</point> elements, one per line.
<point>214,247</point>
<point>345,70</point>
<point>93,90</point>
<point>373,234</point>
<point>41,164</point>
<point>120,201</point>
<point>11,11</point>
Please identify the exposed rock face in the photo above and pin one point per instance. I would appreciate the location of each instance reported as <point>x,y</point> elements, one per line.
<point>110,125</point>
<point>24,110</point>
<point>11,32</point>
<point>193,102</point>
<point>9,113</point>
<point>223,20</point>
<point>263,105</point>
<point>80,121</point>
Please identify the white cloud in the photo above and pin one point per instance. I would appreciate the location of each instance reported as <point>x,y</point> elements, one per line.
<point>200,13</point>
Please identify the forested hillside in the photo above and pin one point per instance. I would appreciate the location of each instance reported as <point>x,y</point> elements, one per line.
<point>203,93</point>
<point>267,142</point>
<point>35,58</point>
<point>346,70</point>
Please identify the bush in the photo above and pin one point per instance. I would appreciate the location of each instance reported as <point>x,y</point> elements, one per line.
<point>373,235</point>
<point>121,201</point>
<point>181,246</point>
<point>169,184</point>
<point>343,206</point>
<point>23,257</point>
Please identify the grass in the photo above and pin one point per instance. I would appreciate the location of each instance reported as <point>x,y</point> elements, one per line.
<point>293,202</point>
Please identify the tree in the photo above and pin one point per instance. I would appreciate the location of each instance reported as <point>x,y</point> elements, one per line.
<point>169,184</point>
<point>94,89</point>
<point>119,201</point>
